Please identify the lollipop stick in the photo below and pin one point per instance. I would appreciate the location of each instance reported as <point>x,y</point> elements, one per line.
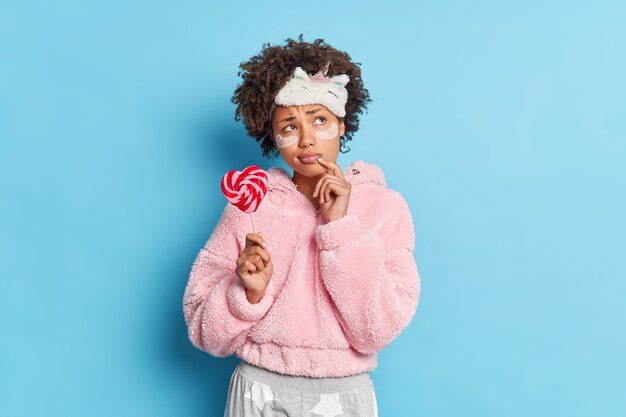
<point>253,227</point>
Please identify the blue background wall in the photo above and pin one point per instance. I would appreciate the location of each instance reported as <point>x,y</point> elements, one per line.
<point>502,125</point>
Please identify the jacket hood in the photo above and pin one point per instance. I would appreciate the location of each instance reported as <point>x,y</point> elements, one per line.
<point>358,172</point>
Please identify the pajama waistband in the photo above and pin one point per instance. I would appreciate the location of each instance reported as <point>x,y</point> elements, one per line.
<point>305,384</point>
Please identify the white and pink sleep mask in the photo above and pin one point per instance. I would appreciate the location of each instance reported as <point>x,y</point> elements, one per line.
<point>303,89</point>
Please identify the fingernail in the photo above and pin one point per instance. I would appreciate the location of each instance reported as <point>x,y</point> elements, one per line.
<point>264,244</point>
<point>320,158</point>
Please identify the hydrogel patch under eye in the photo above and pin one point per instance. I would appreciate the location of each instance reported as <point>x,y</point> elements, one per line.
<point>282,142</point>
<point>329,133</point>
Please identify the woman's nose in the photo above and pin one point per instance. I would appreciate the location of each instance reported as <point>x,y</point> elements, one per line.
<point>308,137</point>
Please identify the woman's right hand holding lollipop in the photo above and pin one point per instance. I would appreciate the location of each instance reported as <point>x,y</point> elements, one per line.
<point>245,190</point>
<point>254,267</point>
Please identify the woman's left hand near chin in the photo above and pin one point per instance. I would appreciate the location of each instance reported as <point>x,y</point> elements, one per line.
<point>333,191</point>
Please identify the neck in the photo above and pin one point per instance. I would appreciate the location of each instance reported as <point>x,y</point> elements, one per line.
<point>306,185</point>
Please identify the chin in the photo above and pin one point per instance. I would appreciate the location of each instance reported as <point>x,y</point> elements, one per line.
<point>309,170</point>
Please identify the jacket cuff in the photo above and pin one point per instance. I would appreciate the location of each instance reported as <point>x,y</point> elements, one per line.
<point>332,234</point>
<point>241,307</point>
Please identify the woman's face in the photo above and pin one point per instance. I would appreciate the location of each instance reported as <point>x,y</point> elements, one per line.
<point>307,129</point>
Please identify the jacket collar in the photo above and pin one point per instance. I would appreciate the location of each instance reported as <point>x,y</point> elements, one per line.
<point>358,172</point>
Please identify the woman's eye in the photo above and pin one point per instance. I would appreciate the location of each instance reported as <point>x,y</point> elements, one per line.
<point>323,119</point>
<point>286,129</point>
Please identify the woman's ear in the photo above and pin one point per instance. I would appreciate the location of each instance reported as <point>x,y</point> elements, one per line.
<point>342,127</point>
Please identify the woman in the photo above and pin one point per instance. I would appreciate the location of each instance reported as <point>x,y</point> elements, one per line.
<point>331,280</point>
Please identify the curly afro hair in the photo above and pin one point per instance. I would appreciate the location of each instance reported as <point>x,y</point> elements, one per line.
<point>266,73</point>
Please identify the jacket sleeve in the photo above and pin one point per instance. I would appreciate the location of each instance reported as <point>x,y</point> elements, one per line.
<point>370,274</point>
<point>217,313</point>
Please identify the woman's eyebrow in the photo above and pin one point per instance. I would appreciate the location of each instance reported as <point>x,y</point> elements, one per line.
<point>289,119</point>
<point>313,111</point>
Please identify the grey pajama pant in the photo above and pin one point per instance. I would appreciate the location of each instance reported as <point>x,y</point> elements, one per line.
<point>258,392</point>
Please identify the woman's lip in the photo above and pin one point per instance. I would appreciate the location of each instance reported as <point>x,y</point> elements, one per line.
<point>309,159</point>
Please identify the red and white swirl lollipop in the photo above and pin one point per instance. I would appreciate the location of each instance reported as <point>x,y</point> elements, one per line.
<point>245,189</point>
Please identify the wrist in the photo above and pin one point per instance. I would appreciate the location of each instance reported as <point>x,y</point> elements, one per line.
<point>333,218</point>
<point>332,215</point>
<point>254,296</point>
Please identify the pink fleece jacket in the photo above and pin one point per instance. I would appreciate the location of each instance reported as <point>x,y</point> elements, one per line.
<point>341,290</point>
